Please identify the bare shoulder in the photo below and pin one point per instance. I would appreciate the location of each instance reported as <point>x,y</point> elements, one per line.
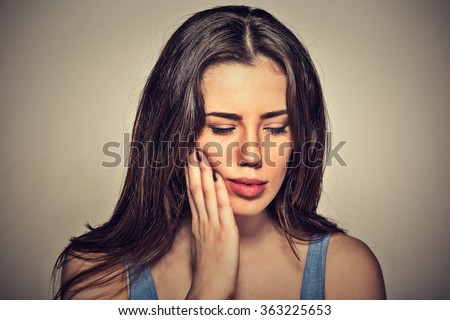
<point>352,270</point>
<point>107,284</point>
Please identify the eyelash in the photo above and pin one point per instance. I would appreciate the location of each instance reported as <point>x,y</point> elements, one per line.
<point>226,131</point>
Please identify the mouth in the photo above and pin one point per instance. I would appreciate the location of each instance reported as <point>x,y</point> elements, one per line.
<point>247,187</point>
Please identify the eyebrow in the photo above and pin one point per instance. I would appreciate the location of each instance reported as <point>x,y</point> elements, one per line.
<point>237,117</point>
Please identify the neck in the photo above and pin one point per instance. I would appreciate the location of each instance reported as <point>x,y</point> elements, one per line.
<point>253,227</point>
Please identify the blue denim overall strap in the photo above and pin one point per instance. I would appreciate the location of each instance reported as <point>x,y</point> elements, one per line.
<point>313,284</point>
<point>141,285</point>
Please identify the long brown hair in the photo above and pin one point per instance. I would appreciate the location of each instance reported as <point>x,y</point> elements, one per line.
<point>153,203</point>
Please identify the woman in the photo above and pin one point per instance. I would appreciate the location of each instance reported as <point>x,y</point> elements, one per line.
<point>224,204</point>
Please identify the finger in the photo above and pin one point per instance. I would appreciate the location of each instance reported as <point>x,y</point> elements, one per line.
<point>194,211</point>
<point>209,190</point>
<point>226,216</point>
<point>195,187</point>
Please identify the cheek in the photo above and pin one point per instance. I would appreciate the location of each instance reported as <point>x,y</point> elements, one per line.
<point>215,152</point>
<point>219,150</point>
<point>279,157</point>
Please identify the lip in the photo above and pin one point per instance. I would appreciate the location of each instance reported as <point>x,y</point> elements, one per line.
<point>248,181</point>
<point>247,187</point>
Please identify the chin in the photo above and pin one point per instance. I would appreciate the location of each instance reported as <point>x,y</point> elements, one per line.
<point>246,213</point>
<point>243,207</point>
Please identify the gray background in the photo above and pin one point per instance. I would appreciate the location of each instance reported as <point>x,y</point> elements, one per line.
<point>70,80</point>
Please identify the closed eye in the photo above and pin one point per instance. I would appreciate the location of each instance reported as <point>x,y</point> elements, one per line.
<point>222,131</point>
<point>225,131</point>
<point>277,131</point>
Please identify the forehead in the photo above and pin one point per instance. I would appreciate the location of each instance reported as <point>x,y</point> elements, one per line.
<point>244,89</point>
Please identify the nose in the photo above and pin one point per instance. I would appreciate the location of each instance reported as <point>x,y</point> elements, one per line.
<point>250,154</point>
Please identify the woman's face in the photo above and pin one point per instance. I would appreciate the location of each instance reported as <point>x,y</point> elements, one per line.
<point>246,135</point>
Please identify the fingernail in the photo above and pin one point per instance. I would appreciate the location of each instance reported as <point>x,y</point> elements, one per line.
<point>214,175</point>
<point>199,157</point>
